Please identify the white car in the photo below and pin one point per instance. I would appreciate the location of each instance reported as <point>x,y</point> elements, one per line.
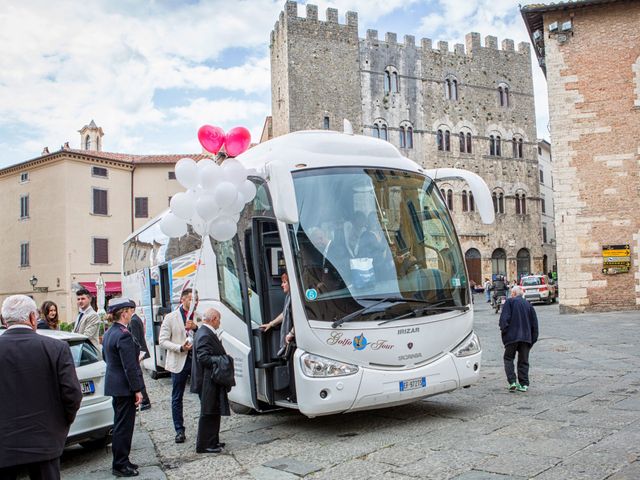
<point>538,288</point>
<point>94,421</point>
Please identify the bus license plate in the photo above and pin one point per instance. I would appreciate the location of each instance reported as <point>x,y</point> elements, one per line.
<point>88,388</point>
<point>413,384</point>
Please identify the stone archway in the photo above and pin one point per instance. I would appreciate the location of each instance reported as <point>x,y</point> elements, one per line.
<point>474,265</point>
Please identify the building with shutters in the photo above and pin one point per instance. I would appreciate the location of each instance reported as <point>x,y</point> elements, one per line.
<point>471,107</point>
<point>66,213</point>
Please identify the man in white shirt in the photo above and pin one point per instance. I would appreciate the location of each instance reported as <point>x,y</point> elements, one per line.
<point>87,322</point>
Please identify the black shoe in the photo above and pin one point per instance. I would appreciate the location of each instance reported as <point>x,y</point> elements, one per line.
<point>221,444</point>
<point>145,406</point>
<point>134,466</point>
<point>180,437</point>
<point>217,449</point>
<point>124,472</point>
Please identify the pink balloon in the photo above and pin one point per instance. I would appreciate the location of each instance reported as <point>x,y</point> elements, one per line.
<point>211,138</point>
<point>237,141</point>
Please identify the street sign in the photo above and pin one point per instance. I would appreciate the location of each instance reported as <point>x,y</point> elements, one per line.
<point>616,259</point>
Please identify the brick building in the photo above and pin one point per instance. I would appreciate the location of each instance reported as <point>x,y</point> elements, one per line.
<point>590,53</point>
<point>471,107</point>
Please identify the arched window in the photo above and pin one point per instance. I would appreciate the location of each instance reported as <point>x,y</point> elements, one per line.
<point>451,88</point>
<point>409,137</point>
<point>447,140</point>
<point>520,148</point>
<point>498,146</point>
<point>469,149</point>
<point>387,81</point>
<point>516,145</point>
<point>503,95</point>
<point>403,138</point>
<point>87,143</point>
<point>465,201</point>
<point>498,201</point>
<point>383,132</point>
<point>454,89</point>
<point>440,140</point>
<point>465,142</point>
<point>376,131</point>
<point>524,262</point>
<point>472,204</point>
<point>499,262</point>
<point>517,204</point>
<point>492,145</point>
<point>394,82</point>
<point>494,197</point>
<point>444,194</point>
<point>450,199</point>
<point>521,205</point>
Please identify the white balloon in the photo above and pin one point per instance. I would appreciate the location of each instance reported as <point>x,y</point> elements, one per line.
<point>225,194</point>
<point>205,162</point>
<point>211,176</point>
<point>248,190</point>
<point>187,173</point>
<point>200,225</point>
<point>234,172</point>
<point>238,205</point>
<point>206,206</point>
<point>182,204</point>
<point>173,226</point>
<point>223,228</point>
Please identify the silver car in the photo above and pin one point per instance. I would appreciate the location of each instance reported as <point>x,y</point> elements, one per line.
<point>94,421</point>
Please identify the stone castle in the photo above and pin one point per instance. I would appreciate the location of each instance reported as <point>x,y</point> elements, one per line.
<point>470,108</point>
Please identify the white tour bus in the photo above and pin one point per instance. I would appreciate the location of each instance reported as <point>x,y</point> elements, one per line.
<point>379,291</point>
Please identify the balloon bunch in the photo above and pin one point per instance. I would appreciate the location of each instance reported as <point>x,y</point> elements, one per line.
<point>216,194</point>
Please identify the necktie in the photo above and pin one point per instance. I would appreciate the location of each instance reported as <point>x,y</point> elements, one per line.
<point>78,322</point>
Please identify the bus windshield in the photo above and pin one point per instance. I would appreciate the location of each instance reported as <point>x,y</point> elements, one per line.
<point>374,241</point>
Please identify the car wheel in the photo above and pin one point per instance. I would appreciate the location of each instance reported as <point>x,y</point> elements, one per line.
<point>549,300</point>
<point>96,443</point>
<point>241,409</point>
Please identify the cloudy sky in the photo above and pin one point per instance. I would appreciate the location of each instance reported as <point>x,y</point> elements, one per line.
<point>150,72</point>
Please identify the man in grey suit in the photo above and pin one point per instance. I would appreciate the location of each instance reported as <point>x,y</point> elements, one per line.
<point>40,394</point>
<point>87,322</point>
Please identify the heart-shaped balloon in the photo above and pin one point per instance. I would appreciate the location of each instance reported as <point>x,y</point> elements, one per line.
<point>237,141</point>
<point>211,138</point>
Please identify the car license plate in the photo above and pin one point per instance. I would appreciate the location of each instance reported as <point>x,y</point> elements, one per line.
<point>413,384</point>
<point>88,388</point>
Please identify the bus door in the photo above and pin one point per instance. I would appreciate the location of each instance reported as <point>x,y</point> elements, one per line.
<point>267,267</point>
<point>161,305</point>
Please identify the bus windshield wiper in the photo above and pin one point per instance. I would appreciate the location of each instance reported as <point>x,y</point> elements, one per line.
<point>428,308</point>
<point>362,311</point>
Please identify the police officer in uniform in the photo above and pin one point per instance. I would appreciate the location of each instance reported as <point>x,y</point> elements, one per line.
<point>123,381</point>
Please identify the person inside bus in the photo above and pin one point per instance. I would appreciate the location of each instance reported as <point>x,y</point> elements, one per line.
<point>287,335</point>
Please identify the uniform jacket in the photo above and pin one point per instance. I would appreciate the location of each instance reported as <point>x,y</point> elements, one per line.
<point>123,377</point>
<point>90,326</point>
<point>136,327</point>
<point>172,337</point>
<point>213,397</point>
<point>40,396</point>
<point>518,321</point>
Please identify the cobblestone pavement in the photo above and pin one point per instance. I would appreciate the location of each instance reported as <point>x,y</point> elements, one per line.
<point>579,420</point>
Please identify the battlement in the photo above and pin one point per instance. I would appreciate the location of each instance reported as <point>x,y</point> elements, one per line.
<point>290,14</point>
<point>472,43</point>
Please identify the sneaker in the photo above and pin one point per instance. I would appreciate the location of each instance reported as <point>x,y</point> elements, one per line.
<point>514,386</point>
<point>523,388</point>
<point>180,437</point>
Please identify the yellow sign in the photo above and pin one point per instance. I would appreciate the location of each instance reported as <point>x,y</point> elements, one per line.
<point>616,259</point>
<point>616,253</point>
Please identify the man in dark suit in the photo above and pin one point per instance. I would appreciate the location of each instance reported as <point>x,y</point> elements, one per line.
<point>123,381</point>
<point>519,328</point>
<point>136,327</point>
<point>213,397</point>
<point>40,394</point>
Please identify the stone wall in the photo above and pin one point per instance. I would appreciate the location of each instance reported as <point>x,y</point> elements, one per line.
<point>595,120</point>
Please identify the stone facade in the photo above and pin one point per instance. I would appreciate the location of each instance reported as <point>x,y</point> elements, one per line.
<point>591,58</point>
<point>408,93</point>
<point>545,165</point>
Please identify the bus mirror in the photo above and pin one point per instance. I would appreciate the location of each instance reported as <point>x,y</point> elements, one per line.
<point>479,188</point>
<point>283,193</point>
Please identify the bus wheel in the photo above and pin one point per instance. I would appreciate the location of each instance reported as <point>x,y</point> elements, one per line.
<point>241,409</point>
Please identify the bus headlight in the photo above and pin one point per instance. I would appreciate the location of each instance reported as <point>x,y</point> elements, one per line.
<point>316,366</point>
<point>469,346</point>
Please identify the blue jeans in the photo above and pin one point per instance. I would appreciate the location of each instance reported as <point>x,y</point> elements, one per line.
<point>487,294</point>
<point>178,383</point>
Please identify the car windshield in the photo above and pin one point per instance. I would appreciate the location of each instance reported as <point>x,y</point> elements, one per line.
<point>531,281</point>
<point>83,352</point>
<point>370,235</point>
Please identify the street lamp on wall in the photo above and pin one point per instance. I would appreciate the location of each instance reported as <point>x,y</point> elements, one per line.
<point>34,281</point>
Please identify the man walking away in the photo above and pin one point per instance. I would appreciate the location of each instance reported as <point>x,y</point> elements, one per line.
<point>519,328</point>
<point>40,394</point>
<point>208,350</point>
<point>176,337</point>
<point>87,321</point>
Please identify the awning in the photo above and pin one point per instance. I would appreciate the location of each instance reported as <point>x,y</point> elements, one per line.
<point>110,288</point>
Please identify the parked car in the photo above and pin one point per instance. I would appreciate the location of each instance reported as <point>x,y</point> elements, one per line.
<point>94,421</point>
<point>537,288</point>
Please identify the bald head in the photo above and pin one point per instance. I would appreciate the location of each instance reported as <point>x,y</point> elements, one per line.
<point>212,318</point>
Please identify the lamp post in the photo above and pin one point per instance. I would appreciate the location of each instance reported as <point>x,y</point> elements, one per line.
<point>34,281</point>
